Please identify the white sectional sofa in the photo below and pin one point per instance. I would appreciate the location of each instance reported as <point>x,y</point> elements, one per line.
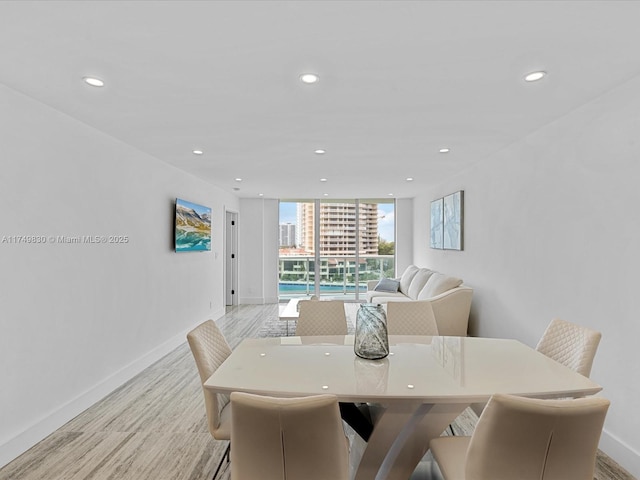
<point>449,298</point>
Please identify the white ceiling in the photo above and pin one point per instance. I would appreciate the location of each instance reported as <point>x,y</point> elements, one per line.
<point>398,81</point>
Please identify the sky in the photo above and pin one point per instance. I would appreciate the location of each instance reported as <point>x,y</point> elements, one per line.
<point>199,209</point>
<point>385,213</point>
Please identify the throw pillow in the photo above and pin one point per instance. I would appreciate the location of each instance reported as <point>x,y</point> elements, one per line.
<point>387,285</point>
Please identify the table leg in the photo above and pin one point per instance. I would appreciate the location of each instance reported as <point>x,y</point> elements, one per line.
<point>401,438</point>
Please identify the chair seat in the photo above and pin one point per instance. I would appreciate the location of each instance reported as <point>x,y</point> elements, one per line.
<point>450,453</point>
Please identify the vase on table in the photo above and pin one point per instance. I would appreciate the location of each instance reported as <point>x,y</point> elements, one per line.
<point>371,339</point>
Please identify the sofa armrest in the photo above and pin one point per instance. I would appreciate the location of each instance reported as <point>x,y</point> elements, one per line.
<point>451,310</point>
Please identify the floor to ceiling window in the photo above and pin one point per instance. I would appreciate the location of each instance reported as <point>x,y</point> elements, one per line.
<point>332,248</point>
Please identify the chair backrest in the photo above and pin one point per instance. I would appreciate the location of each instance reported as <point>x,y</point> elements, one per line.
<point>321,318</point>
<point>292,438</point>
<point>209,349</point>
<point>532,439</point>
<point>570,344</point>
<point>411,318</point>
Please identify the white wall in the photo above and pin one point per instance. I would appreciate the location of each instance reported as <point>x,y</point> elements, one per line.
<point>77,320</point>
<point>258,244</point>
<point>552,230</point>
<point>404,234</point>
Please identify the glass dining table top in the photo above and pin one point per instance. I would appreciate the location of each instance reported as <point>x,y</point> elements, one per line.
<point>419,368</point>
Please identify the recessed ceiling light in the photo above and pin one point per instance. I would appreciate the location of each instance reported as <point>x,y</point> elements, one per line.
<point>409,179</point>
<point>93,81</point>
<point>309,78</point>
<point>198,152</point>
<point>325,194</point>
<point>320,151</point>
<point>535,76</point>
<point>261,194</point>
<point>444,150</point>
<point>238,179</point>
<point>390,194</point>
<point>323,179</point>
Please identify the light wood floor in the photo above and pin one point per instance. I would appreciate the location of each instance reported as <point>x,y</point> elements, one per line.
<point>154,426</point>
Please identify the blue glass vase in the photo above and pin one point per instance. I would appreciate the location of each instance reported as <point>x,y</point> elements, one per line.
<point>371,339</point>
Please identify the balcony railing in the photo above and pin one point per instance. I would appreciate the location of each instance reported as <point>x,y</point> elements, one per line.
<point>296,275</point>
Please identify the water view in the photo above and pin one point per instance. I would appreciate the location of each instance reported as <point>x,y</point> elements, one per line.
<point>304,288</point>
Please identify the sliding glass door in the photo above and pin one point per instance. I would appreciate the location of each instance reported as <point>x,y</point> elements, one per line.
<point>332,248</point>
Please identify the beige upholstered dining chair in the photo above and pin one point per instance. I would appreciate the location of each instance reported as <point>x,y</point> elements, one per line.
<point>526,439</point>
<point>210,349</point>
<point>321,318</point>
<point>411,318</point>
<point>570,344</point>
<point>292,438</point>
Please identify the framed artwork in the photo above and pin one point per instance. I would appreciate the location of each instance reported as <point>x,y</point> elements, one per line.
<point>453,217</point>
<point>192,227</point>
<point>436,223</point>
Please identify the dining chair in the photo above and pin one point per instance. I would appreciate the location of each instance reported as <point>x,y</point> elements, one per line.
<point>411,318</point>
<point>293,438</point>
<point>325,317</point>
<point>570,344</point>
<point>210,349</point>
<point>526,439</point>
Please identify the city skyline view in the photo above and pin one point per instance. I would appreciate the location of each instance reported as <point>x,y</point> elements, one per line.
<point>386,221</point>
<point>334,247</point>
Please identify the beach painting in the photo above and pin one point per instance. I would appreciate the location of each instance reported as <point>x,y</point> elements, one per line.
<point>193,227</point>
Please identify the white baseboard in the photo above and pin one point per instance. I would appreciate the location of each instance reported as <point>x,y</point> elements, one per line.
<point>623,454</point>
<point>43,427</point>
<point>217,315</point>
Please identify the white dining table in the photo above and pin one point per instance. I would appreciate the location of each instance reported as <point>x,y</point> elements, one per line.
<point>421,387</point>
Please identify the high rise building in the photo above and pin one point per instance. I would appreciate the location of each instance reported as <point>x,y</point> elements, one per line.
<point>338,235</point>
<point>287,235</point>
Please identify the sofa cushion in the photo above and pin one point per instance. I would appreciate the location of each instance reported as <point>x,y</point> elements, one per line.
<point>372,296</point>
<point>390,297</point>
<point>418,282</point>
<point>387,285</point>
<point>407,276</point>
<point>438,283</point>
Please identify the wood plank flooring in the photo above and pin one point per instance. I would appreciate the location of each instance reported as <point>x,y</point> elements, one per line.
<point>154,426</point>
